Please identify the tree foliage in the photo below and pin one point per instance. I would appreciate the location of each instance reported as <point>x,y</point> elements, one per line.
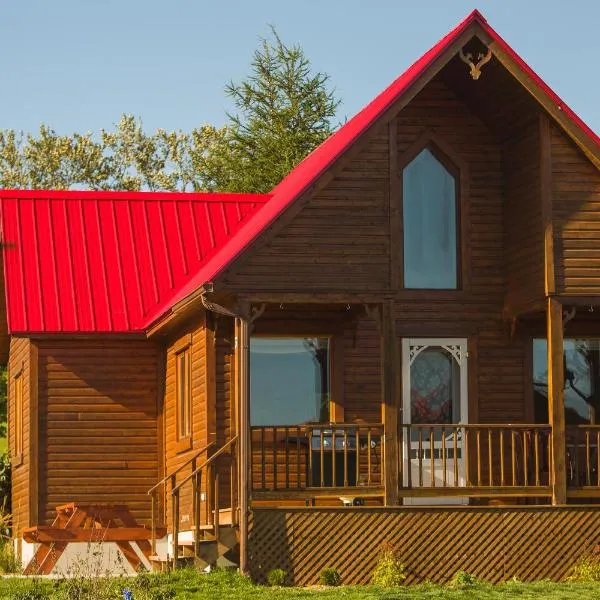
<point>284,110</point>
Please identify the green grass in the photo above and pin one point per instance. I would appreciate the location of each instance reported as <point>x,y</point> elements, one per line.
<point>223,585</point>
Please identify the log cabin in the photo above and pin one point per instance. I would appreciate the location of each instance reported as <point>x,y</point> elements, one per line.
<point>399,344</point>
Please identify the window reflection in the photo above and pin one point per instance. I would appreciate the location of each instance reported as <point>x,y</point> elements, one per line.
<point>289,380</point>
<point>429,214</point>
<point>582,380</point>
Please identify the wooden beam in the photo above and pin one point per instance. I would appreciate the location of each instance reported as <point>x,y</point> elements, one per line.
<point>337,380</point>
<point>556,400</point>
<point>210,366</point>
<point>243,384</point>
<point>546,203</point>
<point>34,442</point>
<point>389,401</point>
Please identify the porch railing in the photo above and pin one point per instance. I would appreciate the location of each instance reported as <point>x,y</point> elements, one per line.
<point>583,458</point>
<point>475,460</point>
<point>324,456</point>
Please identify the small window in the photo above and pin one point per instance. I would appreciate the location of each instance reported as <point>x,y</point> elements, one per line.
<point>429,198</point>
<point>184,395</point>
<point>18,443</point>
<point>289,380</point>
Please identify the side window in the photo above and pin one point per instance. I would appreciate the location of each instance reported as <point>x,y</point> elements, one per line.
<point>18,416</point>
<point>430,216</point>
<point>184,394</point>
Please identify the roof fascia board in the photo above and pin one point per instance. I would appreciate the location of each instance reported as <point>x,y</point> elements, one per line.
<point>583,141</point>
<point>338,162</point>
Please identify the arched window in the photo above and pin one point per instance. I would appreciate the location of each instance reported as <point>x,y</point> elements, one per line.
<point>430,207</point>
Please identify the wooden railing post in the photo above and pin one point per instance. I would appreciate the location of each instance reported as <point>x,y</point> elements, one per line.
<point>389,401</point>
<point>556,400</point>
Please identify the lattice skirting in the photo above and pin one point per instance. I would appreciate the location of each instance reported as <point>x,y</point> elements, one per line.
<point>493,543</point>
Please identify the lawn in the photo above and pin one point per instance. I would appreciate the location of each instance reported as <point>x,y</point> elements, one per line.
<point>227,585</point>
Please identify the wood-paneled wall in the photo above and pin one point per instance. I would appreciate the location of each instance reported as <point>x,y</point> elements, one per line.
<point>576,217</point>
<point>20,363</point>
<point>196,334</point>
<point>98,423</point>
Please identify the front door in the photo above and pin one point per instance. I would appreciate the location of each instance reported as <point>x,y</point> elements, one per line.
<point>434,393</point>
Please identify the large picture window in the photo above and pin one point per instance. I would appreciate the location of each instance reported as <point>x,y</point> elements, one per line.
<point>429,199</point>
<point>289,380</point>
<point>582,381</point>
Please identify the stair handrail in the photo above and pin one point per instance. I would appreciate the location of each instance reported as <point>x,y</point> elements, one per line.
<point>196,475</point>
<point>206,463</point>
<point>181,467</point>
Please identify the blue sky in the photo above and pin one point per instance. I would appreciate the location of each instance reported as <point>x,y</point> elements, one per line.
<point>78,64</point>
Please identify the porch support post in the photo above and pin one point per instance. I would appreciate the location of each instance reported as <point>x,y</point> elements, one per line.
<point>243,370</point>
<point>556,400</point>
<point>389,403</point>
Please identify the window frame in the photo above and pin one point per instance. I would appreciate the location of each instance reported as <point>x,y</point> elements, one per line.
<point>19,418</point>
<point>336,411</point>
<point>458,168</point>
<point>183,442</point>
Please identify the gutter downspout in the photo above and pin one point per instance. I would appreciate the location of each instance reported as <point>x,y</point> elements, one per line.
<point>242,348</point>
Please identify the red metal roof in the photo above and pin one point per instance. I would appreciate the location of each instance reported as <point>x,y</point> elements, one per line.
<point>108,261</point>
<point>64,273</point>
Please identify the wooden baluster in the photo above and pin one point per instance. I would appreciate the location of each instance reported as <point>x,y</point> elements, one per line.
<point>588,459</point>
<point>478,441</point>
<point>432,455</point>
<point>274,458</point>
<point>197,482</point>
<point>357,444</point>
<point>263,458</point>
<point>525,458</point>
<point>467,457</point>
<point>502,457</point>
<point>513,457</point>
<point>444,482</point>
<point>536,443</point>
<point>455,450</point>
<point>345,457</point>
<point>286,432</point>
<point>232,489</point>
<point>309,475</point>
<point>576,457</point>
<point>333,461</point>
<point>153,517</point>
<point>420,451</point>
<point>490,461</point>
<point>369,457</point>
<point>209,494</point>
<point>550,457</point>
<point>409,457</point>
<point>216,513</point>
<point>322,459</point>
<point>175,513</point>
<point>298,484</point>
<point>193,468</point>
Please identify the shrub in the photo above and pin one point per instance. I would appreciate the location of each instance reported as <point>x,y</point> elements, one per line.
<point>463,579</point>
<point>330,576</point>
<point>9,561</point>
<point>587,569</point>
<point>276,578</point>
<point>389,571</point>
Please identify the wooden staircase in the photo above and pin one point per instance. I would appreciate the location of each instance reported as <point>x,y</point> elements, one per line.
<point>211,536</point>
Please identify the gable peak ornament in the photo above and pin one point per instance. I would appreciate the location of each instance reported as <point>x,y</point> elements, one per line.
<point>475,67</point>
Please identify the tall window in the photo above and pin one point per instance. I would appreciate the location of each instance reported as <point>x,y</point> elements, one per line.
<point>582,380</point>
<point>429,193</point>
<point>18,443</point>
<point>184,394</point>
<point>289,380</point>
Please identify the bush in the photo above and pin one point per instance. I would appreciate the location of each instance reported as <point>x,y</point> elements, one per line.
<point>587,569</point>
<point>9,561</point>
<point>463,579</point>
<point>276,578</point>
<point>330,576</point>
<point>389,571</point>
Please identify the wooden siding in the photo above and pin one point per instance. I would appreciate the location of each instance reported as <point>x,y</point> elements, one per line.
<point>19,362</point>
<point>494,544</point>
<point>98,426</point>
<point>196,335</point>
<point>523,221</point>
<point>576,217</point>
